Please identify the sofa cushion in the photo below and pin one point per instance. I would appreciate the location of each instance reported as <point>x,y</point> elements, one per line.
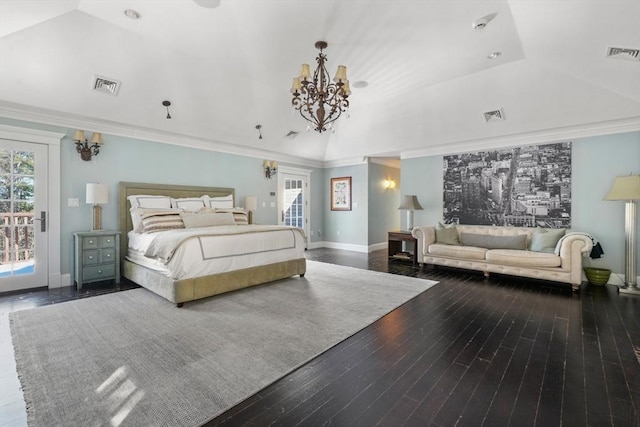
<point>522,258</point>
<point>494,242</point>
<point>447,235</point>
<point>455,251</point>
<point>545,239</point>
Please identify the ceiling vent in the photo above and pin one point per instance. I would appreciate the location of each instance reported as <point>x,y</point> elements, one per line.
<point>105,85</point>
<point>292,134</point>
<point>622,53</point>
<point>493,116</point>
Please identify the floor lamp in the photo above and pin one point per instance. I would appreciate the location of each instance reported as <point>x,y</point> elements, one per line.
<point>627,188</point>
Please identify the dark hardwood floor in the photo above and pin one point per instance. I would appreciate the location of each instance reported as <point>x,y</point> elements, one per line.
<point>470,351</point>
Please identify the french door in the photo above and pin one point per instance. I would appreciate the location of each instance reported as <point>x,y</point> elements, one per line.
<point>23,215</point>
<point>293,199</point>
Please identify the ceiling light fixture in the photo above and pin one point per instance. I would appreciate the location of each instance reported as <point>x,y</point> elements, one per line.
<point>167,104</point>
<point>259,127</point>
<point>319,101</point>
<point>208,4</point>
<point>494,55</point>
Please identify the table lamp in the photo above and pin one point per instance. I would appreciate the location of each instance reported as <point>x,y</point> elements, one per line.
<point>97,194</point>
<point>251,204</point>
<point>410,204</point>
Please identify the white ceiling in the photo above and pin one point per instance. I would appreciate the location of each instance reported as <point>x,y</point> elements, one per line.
<point>229,68</point>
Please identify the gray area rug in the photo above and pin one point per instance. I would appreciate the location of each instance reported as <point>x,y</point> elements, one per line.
<point>132,358</point>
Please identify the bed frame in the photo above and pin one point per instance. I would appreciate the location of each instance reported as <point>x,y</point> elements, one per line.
<point>181,291</point>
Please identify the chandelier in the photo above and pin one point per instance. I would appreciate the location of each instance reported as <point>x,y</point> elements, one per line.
<point>318,100</point>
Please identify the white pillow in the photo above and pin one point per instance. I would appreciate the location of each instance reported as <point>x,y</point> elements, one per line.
<point>192,220</point>
<point>188,203</point>
<point>155,202</point>
<point>223,202</point>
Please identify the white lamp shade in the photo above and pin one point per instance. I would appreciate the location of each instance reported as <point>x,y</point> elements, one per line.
<point>78,136</point>
<point>251,203</point>
<point>625,188</point>
<point>97,193</point>
<point>96,138</point>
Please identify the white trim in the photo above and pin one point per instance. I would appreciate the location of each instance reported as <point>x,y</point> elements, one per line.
<point>345,247</point>
<point>386,161</point>
<point>53,141</point>
<point>611,127</point>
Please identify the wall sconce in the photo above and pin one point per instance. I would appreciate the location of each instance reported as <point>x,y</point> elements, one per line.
<point>83,147</point>
<point>97,194</point>
<point>270,168</point>
<point>389,184</point>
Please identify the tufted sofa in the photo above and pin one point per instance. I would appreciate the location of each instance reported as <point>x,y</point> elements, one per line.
<point>562,265</point>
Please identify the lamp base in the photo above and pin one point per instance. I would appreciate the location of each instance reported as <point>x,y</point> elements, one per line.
<point>629,289</point>
<point>97,218</point>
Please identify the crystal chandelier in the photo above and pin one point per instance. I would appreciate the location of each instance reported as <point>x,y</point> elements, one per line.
<point>318,100</point>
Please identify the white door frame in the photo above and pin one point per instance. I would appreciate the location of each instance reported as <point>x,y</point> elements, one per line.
<point>288,170</point>
<point>53,142</point>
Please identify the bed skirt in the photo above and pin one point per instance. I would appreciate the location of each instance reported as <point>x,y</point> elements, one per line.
<point>181,291</point>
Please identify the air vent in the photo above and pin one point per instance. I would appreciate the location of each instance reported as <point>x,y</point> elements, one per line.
<point>105,85</point>
<point>493,116</point>
<point>292,134</point>
<point>622,53</point>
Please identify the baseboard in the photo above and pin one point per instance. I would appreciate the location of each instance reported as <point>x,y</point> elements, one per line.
<point>347,246</point>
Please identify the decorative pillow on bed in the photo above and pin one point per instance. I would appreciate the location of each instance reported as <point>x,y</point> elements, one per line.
<point>160,220</point>
<point>223,202</point>
<point>155,202</point>
<point>137,213</point>
<point>239,215</point>
<point>188,203</point>
<point>191,219</point>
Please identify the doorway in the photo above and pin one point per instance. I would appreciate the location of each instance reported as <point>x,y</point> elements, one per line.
<point>293,198</point>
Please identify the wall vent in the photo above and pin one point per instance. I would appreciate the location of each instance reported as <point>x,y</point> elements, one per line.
<point>105,85</point>
<point>493,116</point>
<point>622,53</point>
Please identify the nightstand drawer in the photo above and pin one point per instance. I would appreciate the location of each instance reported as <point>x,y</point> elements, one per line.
<point>107,242</point>
<point>99,272</point>
<point>108,255</point>
<point>90,242</point>
<point>90,257</point>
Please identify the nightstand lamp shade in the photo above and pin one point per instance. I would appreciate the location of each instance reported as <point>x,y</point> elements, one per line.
<point>627,188</point>
<point>97,194</point>
<point>251,204</point>
<point>410,203</point>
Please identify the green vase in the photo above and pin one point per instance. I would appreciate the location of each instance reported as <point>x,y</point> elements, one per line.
<point>597,276</point>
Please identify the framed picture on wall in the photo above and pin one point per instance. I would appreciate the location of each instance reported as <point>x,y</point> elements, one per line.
<point>341,194</point>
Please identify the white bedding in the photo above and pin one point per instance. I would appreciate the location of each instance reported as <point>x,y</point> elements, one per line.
<point>204,255</point>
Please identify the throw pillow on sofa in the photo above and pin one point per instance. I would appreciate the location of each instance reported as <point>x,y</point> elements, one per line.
<point>447,235</point>
<point>494,242</point>
<point>545,239</point>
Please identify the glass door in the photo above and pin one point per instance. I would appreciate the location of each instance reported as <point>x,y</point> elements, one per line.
<point>23,216</point>
<point>293,201</point>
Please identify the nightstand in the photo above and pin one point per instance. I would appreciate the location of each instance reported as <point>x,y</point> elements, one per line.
<point>395,246</point>
<point>96,256</point>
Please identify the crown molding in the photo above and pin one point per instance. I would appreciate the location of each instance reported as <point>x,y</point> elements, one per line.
<point>72,121</point>
<point>631,124</point>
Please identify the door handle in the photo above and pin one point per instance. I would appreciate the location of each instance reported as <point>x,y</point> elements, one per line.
<point>282,216</point>
<point>43,221</point>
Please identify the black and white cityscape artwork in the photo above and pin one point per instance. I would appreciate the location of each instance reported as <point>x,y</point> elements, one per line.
<point>522,186</point>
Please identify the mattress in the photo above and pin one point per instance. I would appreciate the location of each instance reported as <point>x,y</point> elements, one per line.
<point>213,250</point>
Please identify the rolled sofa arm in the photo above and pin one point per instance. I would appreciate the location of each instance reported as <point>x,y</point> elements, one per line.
<point>425,236</point>
<point>572,248</point>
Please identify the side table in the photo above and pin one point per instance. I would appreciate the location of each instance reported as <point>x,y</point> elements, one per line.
<point>96,256</point>
<point>396,238</point>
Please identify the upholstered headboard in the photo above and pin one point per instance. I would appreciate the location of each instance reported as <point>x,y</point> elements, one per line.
<point>126,189</point>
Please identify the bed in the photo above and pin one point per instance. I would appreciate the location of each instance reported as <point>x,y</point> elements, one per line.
<point>178,274</point>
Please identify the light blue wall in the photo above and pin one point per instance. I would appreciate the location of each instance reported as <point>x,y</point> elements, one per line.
<point>596,161</point>
<point>348,227</point>
<point>134,160</point>
<point>384,215</point>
